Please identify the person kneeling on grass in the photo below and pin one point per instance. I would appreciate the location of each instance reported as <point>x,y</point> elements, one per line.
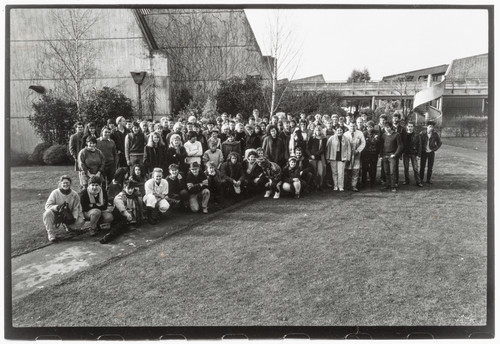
<point>291,178</point>
<point>251,171</point>
<point>156,196</point>
<point>128,210</point>
<point>270,178</point>
<point>214,182</point>
<point>178,195</point>
<point>197,184</point>
<point>232,174</point>
<point>64,194</point>
<point>94,205</point>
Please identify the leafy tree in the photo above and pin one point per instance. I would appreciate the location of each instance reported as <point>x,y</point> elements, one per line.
<point>53,119</point>
<point>311,103</point>
<point>107,103</point>
<point>238,95</point>
<point>359,76</point>
<point>182,99</point>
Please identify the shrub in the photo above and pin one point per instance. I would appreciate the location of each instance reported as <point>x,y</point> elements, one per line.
<point>106,103</point>
<point>37,156</point>
<point>471,126</point>
<point>240,96</point>
<point>19,158</point>
<point>56,155</point>
<point>53,119</point>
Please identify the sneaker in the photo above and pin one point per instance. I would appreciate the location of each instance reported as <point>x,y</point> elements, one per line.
<point>276,195</point>
<point>52,237</point>
<point>205,210</point>
<point>393,190</point>
<point>406,183</point>
<point>268,193</point>
<point>341,189</point>
<point>335,188</point>
<point>420,185</point>
<point>355,189</point>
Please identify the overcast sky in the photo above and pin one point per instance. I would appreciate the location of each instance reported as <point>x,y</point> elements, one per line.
<point>333,42</point>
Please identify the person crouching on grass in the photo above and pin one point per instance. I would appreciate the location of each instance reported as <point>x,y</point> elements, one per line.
<point>251,171</point>
<point>128,210</point>
<point>270,178</point>
<point>214,181</point>
<point>177,196</point>
<point>232,174</point>
<point>291,178</point>
<point>156,196</point>
<point>55,202</point>
<point>197,184</point>
<point>94,201</point>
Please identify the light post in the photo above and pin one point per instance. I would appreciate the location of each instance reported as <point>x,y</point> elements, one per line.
<point>138,79</point>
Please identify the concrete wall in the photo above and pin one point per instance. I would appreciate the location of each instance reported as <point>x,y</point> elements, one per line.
<point>120,46</point>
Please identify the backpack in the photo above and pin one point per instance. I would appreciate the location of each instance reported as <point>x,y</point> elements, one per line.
<point>64,215</point>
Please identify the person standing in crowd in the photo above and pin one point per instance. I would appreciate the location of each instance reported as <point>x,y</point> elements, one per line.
<point>369,155</point>
<point>357,142</point>
<point>134,146</point>
<point>273,147</point>
<point>118,135</point>
<point>380,130</point>
<point>176,154</point>
<point>197,185</point>
<point>360,125</point>
<point>338,152</point>
<point>431,142</point>
<point>127,211</point>
<point>76,143</point>
<point>213,154</point>
<point>230,145</point>
<point>94,201</point>
<point>398,128</point>
<point>411,151</point>
<point>252,140</point>
<point>155,153</point>
<point>193,148</point>
<point>391,149</point>
<point>240,136</point>
<point>316,148</point>
<point>90,161</point>
<point>176,130</point>
<point>90,130</point>
<point>108,148</point>
<point>59,196</point>
<point>156,190</point>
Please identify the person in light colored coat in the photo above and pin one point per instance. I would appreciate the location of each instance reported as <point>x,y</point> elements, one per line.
<point>358,143</point>
<point>338,152</point>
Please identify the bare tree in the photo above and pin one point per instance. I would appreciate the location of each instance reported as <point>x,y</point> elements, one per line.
<point>69,55</point>
<point>405,88</point>
<point>284,58</point>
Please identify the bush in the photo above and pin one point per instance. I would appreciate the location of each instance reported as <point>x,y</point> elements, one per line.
<point>53,119</point>
<point>106,103</point>
<point>56,155</point>
<point>240,96</point>
<point>37,156</point>
<point>19,159</point>
<point>471,126</point>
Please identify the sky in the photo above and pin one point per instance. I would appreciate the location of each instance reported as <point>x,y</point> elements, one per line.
<point>333,42</point>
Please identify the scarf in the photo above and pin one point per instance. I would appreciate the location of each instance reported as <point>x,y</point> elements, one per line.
<point>92,197</point>
<point>65,192</point>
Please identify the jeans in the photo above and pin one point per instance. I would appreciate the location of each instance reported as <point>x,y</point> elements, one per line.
<point>194,203</point>
<point>414,163</point>
<point>390,165</point>
<point>96,216</point>
<point>427,157</point>
<point>49,219</point>
<point>369,166</point>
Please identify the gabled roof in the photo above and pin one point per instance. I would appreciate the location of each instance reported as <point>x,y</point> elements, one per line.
<point>314,78</point>
<point>441,69</point>
<point>472,67</point>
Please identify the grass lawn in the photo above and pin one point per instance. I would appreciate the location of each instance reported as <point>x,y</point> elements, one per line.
<point>476,143</point>
<point>374,258</point>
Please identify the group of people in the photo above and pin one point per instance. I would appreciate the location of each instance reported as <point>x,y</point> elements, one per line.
<point>131,171</point>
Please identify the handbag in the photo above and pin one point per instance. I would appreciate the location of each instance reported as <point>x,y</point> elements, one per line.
<point>64,215</point>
